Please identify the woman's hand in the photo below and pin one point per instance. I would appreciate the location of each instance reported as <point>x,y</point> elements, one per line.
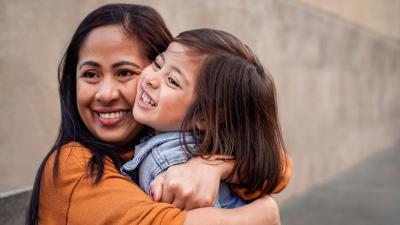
<point>191,185</point>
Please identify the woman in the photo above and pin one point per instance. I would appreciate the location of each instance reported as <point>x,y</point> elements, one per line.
<point>78,181</point>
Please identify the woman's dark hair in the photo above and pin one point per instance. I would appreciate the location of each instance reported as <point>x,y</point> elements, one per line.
<point>236,105</point>
<point>140,22</point>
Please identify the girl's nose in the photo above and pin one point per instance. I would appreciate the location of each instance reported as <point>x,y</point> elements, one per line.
<point>152,80</point>
<point>107,91</point>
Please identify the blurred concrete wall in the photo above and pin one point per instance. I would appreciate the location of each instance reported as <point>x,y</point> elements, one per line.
<point>337,75</point>
<point>379,16</point>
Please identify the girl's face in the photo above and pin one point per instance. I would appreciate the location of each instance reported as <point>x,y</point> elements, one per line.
<point>107,72</point>
<point>166,88</point>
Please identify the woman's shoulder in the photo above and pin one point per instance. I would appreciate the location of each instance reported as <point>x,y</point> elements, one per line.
<point>75,149</point>
<point>71,162</point>
<point>64,169</point>
<point>75,197</point>
<point>72,154</point>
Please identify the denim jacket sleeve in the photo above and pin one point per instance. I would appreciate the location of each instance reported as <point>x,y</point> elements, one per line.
<point>156,155</point>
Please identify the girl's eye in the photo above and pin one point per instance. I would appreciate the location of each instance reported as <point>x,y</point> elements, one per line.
<point>173,82</point>
<point>156,65</point>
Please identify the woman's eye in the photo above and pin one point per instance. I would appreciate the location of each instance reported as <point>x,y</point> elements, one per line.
<point>173,82</point>
<point>90,74</point>
<point>126,73</point>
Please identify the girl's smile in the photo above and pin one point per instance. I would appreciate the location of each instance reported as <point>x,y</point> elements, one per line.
<point>166,88</point>
<point>145,100</point>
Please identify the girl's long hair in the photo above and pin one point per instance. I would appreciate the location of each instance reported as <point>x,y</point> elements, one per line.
<point>140,22</point>
<point>236,105</point>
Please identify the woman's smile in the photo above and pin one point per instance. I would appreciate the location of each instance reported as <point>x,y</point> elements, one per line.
<point>107,74</point>
<point>110,117</point>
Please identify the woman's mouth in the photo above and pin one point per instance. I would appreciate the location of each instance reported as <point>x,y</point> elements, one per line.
<point>113,117</point>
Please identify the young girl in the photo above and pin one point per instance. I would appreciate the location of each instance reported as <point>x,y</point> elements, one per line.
<point>208,94</point>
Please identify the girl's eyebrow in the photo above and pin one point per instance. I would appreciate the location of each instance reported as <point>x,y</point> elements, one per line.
<point>183,75</point>
<point>117,64</point>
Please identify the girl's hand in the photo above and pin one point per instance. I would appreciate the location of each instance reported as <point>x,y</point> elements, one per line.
<point>191,185</point>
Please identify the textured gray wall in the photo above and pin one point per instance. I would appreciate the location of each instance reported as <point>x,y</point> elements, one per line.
<point>338,84</point>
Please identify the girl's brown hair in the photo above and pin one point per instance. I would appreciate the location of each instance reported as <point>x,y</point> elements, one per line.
<point>236,103</point>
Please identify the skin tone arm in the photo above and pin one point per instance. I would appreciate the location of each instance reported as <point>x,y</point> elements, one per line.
<point>263,211</point>
<point>186,186</point>
<point>196,193</point>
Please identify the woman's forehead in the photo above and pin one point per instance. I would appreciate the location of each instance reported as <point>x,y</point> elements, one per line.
<point>108,35</point>
<point>111,43</point>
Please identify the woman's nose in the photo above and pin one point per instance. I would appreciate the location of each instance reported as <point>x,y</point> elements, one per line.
<point>107,91</point>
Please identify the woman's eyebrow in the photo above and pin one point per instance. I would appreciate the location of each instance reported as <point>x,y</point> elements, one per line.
<point>117,64</point>
<point>121,63</point>
<point>90,63</point>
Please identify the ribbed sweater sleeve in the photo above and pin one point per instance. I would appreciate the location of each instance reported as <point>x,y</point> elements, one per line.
<point>73,199</point>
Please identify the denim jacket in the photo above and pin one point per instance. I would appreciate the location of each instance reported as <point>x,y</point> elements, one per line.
<point>156,154</point>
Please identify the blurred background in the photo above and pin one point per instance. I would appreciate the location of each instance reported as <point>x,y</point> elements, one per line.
<point>336,64</point>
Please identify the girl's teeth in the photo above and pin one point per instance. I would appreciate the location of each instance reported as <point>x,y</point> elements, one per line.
<point>147,100</point>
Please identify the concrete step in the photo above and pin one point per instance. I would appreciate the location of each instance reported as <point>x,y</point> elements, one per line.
<point>366,194</point>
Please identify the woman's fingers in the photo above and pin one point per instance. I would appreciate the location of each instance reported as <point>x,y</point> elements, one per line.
<point>165,191</point>
<point>156,187</point>
<point>191,185</point>
<point>179,203</point>
<point>167,197</point>
<point>169,191</point>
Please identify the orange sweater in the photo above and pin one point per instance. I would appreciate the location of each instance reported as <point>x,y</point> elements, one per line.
<point>73,199</point>
<point>114,200</point>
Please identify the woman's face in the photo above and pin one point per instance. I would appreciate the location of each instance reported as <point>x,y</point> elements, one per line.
<point>107,72</point>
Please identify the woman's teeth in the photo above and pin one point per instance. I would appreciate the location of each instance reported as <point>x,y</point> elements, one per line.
<point>113,115</point>
<point>147,100</point>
